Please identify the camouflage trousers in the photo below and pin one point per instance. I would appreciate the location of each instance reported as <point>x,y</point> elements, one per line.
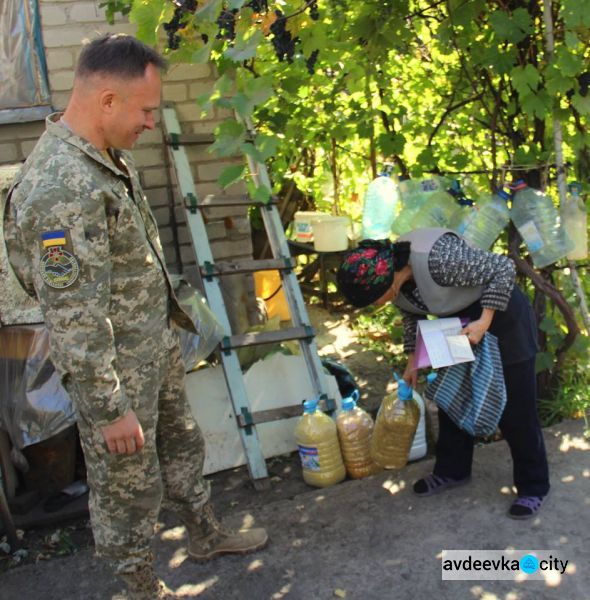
<point>126,490</point>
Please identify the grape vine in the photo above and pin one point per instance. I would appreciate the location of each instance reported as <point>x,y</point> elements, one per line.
<point>182,10</point>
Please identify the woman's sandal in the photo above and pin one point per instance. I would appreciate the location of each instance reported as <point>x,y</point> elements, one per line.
<point>434,484</point>
<point>526,507</point>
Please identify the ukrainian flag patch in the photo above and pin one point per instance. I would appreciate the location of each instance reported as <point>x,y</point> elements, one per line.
<point>59,268</point>
<point>53,238</point>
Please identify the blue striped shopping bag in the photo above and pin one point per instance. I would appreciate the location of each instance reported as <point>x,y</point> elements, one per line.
<point>473,394</point>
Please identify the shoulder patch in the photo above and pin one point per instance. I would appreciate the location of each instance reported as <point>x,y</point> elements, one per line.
<point>58,268</point>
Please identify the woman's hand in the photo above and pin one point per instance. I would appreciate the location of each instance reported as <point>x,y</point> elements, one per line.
<point>410,375</point>
<point>476,329</point>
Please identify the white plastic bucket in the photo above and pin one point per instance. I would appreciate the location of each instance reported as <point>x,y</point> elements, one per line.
<point>302,224</point>
<point>330,234</point>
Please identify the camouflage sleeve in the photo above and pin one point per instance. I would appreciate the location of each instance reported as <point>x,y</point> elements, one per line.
<point>65,239</point>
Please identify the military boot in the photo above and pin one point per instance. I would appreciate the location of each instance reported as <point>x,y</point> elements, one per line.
<point>144,584</point>
<point>208,538</point>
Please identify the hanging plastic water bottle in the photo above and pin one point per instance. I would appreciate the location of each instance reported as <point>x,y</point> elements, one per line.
<point>415,193</point>
<point>575,222</point>
<point>381,206</point>
<point>437,211</point>
<point>490,217</point>
<point>537,220</point>
<point>465,210</point>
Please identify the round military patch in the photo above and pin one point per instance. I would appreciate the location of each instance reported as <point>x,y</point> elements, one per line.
<point>59,269</point>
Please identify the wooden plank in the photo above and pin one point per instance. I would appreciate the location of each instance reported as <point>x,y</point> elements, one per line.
<point>258,338</point>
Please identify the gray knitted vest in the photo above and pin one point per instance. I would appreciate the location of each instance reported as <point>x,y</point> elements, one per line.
<point>441,301</point>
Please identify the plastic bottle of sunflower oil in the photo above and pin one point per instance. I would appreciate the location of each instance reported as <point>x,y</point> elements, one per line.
<point>537,220</point>
<point>319,449</point>
<point>575,221</point>
<point>490,217</point>
<point>381,206</point>
<point>395,426</point>
<point>355,428</point>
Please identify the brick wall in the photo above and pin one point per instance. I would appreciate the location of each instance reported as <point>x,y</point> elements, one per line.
<point>65,24</point>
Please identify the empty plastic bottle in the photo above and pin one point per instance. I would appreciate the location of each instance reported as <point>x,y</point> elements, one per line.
<point>395,426</point>
<point>381,206</point>
<point>537,220</point>
<point>490,217</point>
<point>465,208</point>
<point>437,211</point>
<point>319,449</point>
<point>419,443</point>
<point>575,222</point>
<point>414,194</point>
<point>355,428</point>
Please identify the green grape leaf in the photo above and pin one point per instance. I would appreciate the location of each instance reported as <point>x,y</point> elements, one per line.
<point>259,89</point>
<point>230,175</point>
<point>148,15</point>
<point>245,46</point>
<point>525,79</point>
<point>203,54</point>
<point>229,136</point>
<point>267,145</point>
<point>262,194</point>
<point>569,64</point>
<point>210,10</point>
<point>250,149</point>
<point>581,103</point>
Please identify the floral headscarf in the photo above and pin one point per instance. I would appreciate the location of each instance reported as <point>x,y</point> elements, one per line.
<point>366,272</point>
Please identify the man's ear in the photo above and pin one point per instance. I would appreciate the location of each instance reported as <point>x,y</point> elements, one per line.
<point>107,100</point>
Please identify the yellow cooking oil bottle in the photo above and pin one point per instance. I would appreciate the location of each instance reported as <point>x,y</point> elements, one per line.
<point>319,450</point>
<point>355,428</point>
<point>395,426</point>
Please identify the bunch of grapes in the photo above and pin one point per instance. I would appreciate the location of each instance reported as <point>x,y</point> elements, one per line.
<point>314,13</point>
<point>282,40</point>
<point>226,21</point>
<point>258,6</point>
<point>310,62</point>
<point>183,8</point>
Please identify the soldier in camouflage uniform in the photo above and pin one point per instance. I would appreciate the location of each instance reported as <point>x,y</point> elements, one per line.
<point>82,239</point>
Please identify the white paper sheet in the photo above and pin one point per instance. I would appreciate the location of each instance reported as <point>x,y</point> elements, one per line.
<point>444,343</point>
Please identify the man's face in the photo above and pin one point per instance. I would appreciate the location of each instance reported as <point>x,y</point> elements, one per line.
<point>133,104</point>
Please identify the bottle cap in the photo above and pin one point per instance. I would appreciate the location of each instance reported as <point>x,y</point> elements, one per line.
<point>387,170</point>
<point>575,188</point>
<point>502,193</point>
<point>517,185</point>
<point>348,403</point>
<point>310,406</point>
<point>404,391</point>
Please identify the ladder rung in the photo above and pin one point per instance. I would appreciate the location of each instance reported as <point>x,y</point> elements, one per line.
<point>234,267</point>
<point>257,338</point>
<point>217,200</point>
<point>275,414</point>
<point>188,139</point>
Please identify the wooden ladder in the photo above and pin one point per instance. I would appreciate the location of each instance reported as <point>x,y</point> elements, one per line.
<point>211,271</point>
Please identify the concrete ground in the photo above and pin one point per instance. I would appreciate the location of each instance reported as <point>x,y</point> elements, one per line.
<point>367,539</point>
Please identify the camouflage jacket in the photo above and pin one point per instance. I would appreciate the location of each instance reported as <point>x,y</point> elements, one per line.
<point>80,237</point>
